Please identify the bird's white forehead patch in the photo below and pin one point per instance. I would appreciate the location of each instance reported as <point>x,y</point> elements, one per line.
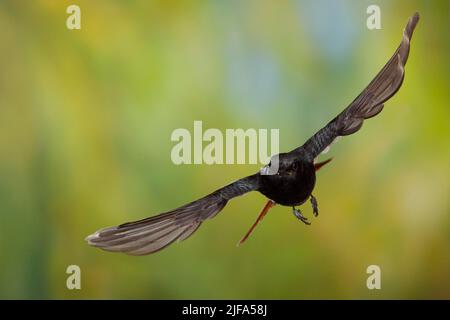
<point>272,167</point>
<point>264,170</point>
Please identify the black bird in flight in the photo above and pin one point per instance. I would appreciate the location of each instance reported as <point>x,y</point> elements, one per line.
<point>291,185</point>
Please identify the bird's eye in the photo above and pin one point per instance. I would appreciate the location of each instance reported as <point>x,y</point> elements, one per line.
<point>270,163</point>
<point>294,166</point>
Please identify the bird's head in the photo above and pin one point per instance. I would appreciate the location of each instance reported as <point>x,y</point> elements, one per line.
<point>281,164</point>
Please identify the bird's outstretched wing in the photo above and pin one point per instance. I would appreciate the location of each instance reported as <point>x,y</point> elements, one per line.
<point>155,233</point>
<point>369,102</point>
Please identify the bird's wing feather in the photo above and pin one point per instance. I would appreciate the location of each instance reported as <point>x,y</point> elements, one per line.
<point>157,232</point>
<point>369,102</point>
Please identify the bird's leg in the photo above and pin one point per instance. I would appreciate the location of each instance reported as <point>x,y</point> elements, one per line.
<point>300,216</point>
<point>264,211</point>
<point>314,206</point>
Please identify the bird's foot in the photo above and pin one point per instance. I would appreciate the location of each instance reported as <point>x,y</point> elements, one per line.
<point>300,216</point>
<point>314,206</point>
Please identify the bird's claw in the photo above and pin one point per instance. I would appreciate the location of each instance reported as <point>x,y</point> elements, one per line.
<point>300,216</point>
<point>314,206</point>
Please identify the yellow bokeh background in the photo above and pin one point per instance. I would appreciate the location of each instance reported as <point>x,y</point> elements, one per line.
<point>85,123</point>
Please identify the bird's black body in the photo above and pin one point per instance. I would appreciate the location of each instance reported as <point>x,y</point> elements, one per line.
<point>288,180</point>
<point>294,182</point>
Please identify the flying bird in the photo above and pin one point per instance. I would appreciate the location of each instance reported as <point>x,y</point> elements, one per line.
<point>291,184</point>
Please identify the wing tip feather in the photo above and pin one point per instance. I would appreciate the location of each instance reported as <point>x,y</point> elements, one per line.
<point>411,25</point>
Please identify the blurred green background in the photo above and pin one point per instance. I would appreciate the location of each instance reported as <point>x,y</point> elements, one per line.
<point>85,123</point>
